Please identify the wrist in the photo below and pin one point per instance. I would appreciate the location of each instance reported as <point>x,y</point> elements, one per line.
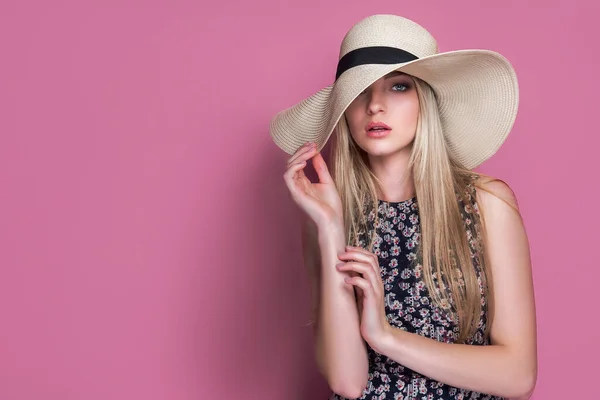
<point>331,235</point>
<point>334,226</point>
<point>383,342</point>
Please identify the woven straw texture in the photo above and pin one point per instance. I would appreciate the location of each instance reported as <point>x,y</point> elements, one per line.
<point>476,90</point>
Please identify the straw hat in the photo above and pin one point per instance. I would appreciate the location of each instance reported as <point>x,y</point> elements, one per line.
<point>476,90</point>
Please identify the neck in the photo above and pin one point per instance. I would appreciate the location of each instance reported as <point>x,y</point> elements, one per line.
<point>393,172</point>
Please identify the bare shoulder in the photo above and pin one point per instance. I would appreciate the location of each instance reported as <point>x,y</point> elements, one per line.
<point>503,225</point>
<point>496,195</point>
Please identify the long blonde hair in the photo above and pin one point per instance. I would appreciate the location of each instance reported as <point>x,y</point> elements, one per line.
<point>440,182</point>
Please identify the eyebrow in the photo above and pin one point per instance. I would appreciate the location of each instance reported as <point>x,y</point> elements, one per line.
<point>393,74</point>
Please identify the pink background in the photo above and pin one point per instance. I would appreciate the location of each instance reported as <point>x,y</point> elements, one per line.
<point>148,248</point>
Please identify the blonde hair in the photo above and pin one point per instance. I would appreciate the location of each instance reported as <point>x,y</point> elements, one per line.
<point>442,187</point>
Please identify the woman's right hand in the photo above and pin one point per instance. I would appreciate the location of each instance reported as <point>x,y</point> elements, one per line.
<point>320,201</point>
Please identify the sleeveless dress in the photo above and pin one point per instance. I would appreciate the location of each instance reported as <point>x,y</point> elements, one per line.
<point>408,306</point>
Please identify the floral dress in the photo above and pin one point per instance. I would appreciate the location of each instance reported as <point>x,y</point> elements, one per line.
<point>408,307</point>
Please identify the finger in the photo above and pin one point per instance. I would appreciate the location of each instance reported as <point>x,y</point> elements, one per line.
<point>321,169</point>
<point>289,176</point>
<point>293,169</point>
<point>304,153</point>
<point>366,255</point>
<point>361,268</point>
<point>297,156</point>
<point>363,284</point>
<point>362,256</point>
<point>359,249</point>
<point>365,270</point>
<point>302,156</point>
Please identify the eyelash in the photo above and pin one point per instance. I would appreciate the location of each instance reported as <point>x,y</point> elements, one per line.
<point>406,87</point>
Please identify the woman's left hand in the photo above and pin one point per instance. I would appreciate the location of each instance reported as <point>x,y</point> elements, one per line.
<point>373,321</point>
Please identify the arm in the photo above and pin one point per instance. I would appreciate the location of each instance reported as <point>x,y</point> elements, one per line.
<point>340,350</point>
<point>312,261</point>
<point>507,367</point>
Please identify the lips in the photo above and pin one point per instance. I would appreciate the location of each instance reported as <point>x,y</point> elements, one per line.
<point>377,129</point>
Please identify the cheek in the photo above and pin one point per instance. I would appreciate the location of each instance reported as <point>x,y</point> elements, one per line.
<point>353,118</point>
<point>415,108</point>
<point>409,110</point>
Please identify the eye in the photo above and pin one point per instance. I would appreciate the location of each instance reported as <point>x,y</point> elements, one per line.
<point>402,86</point>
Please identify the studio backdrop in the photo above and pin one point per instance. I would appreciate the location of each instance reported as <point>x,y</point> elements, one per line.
<point>148,246</point>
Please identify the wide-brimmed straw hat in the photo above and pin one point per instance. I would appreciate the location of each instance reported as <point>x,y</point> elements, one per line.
<point>476,90</point>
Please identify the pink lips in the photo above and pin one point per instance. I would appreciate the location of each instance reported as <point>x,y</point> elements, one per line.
<point>373,132</point>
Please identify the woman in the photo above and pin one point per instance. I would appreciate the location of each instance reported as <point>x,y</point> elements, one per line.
<point>434,300</point>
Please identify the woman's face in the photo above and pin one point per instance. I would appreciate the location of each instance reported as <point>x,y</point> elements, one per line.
<point>391,100</point>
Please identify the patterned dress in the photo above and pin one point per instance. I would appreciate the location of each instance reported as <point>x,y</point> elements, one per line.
<point>409,307</point>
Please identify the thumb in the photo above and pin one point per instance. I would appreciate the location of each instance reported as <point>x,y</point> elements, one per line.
<point>321,169</point>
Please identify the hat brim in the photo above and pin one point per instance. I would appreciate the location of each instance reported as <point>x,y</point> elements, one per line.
<point>477,93</point>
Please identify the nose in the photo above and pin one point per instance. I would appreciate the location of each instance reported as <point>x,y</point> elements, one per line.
<point>376,102</point>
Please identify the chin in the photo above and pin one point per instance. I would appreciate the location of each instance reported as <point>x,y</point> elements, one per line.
<point>382,149</point>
